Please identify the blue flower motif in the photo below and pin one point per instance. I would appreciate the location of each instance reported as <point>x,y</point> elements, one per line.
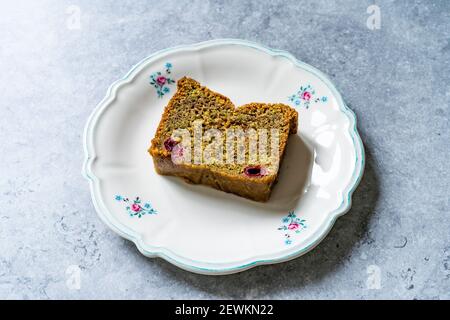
<point>292,225</point>
<point>135,208</point>
<point>306,96</point>
<point>161,82</point>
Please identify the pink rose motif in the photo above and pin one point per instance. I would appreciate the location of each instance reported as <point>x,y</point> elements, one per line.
<point>306,95</point>
<point>293,226</point>
<point>135,207</point>
<point>161,80</point>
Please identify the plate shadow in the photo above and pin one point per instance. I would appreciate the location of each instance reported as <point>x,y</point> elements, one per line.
<point>264,281</point>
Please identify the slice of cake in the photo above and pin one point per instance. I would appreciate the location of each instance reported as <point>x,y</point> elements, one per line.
<point>204,139</point>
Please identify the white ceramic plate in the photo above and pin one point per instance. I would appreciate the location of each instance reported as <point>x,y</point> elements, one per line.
<point>201,229</point>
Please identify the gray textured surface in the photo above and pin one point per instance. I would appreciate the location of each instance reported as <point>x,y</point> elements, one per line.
<point>396,79</point>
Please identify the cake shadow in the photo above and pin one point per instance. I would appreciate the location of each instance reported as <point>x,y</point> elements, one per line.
<point>294,175</point>
<point>329,256</point>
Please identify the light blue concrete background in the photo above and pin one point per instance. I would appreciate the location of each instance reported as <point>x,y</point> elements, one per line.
<point>396,79</point>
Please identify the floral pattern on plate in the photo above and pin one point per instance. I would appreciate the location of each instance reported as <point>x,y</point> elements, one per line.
<point>292,225</point>
<point>161,82</point>
<point>136,207</point>
<point>305,96</point>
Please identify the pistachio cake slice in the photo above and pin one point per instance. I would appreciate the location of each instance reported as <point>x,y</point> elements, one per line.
<point>203,138</point>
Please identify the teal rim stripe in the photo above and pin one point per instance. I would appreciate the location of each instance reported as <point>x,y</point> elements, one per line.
<point>166,254</point>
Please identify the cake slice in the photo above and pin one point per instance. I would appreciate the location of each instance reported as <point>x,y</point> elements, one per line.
<point>203,138</point>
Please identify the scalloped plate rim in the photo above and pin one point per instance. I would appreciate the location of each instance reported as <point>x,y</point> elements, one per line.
<point>167,254</point>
